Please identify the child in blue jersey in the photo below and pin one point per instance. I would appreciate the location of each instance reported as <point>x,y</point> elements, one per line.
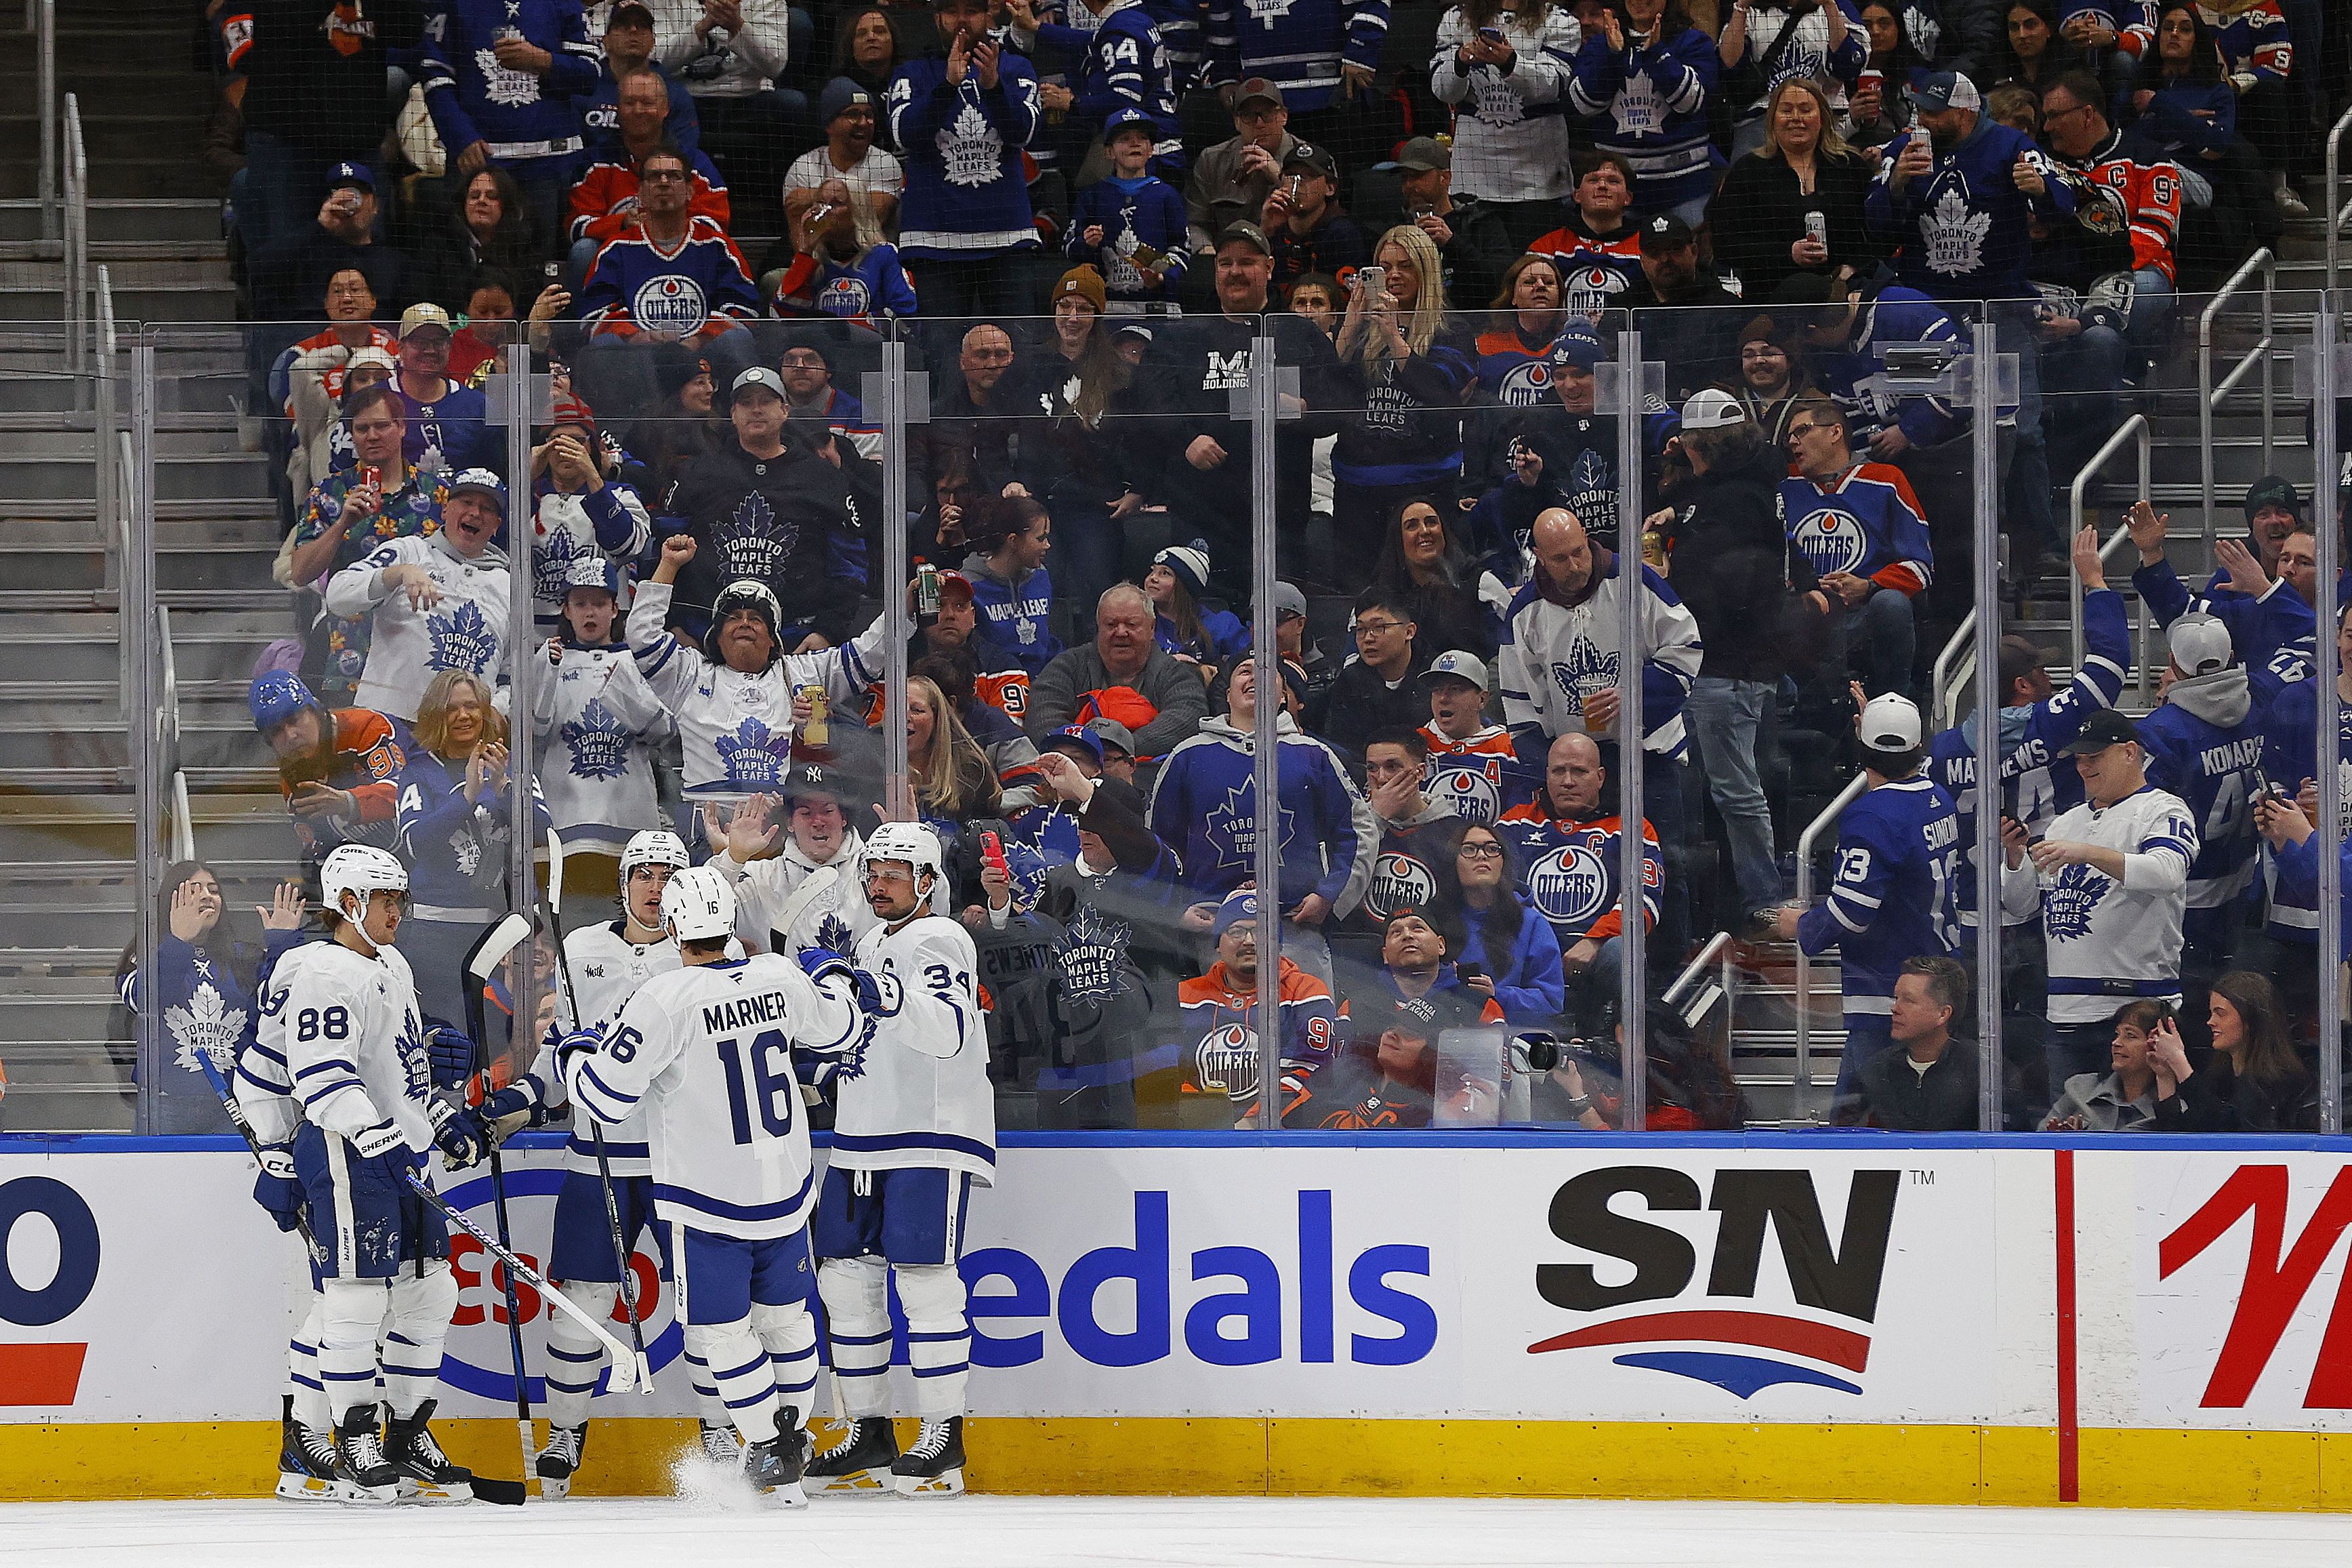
<point>1010,589</point>
<point>1898,854</point>
<point>1130,226</point>
<point>1179,576</point>
<point>1642,82</point>
<point>1119,67</point>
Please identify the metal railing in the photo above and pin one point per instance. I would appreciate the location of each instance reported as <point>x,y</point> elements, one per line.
<point>77,240</point>
<point>1954,667</point>
<point>2134,429</point>
<point>2338,213</point>
<point>2209,396</point>
<point>1718,954</point>
<point>1802,1001</point>
<point>41,21</point>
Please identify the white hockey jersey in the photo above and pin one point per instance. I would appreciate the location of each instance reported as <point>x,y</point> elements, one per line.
<point>597,718</point>
<point>2110,941</point>
<point>736,729</point>
<point>467,630</point>
<point>608,969</point>
<point>1554,656</point>
<point>568,527</point>
<point>340,1045</point>
<point>919,1095</point>
<point>835,916</point>
<point>708,1052</point>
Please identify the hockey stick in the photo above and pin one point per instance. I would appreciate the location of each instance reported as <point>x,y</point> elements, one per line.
<point>487,953</point>
<point>644,1372</point>
<point>817,882</point>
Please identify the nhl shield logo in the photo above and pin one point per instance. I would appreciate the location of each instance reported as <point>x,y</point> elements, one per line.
<point>670,306</point>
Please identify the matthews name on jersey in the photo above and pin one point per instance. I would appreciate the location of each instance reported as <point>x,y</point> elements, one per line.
<point>918,1094</point>
<point>750,1016</point>
<point>1898,850</point>
<point>2111,940</point>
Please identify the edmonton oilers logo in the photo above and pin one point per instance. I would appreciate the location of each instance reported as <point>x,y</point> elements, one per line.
<point>1227,1062</point>
<point>1571,886</point>
<point>1832,539</point>
<point>1525,384</point>
<point>1399,882</point>
<point>670,306</point>
<point>1471,793</point>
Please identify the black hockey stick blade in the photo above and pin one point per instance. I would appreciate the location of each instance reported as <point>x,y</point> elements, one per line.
<point>506,1494</point>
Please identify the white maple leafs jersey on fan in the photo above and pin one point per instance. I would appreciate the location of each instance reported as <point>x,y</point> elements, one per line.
<point>340,1047</point>
<point>833,919</point>
<point>707,1051</point>
<point>919,1095</point>
<point>735,730</point>
<point>2109,940</point>
<point>465,630</point>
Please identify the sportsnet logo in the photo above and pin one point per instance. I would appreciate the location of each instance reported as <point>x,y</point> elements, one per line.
<point>1820,1337</point>
<point>670,306</point>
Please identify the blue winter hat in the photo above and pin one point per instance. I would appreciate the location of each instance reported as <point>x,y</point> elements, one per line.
<point>1239,905</point>
<point>277,697</point>
<point>1121,119</point>
<point>1577,345</point>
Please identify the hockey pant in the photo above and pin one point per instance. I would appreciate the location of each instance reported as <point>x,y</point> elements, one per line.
<point>576,1358</point>
<point>855,1291</point>
<point>400,1322</point>
<point>744,1304</point>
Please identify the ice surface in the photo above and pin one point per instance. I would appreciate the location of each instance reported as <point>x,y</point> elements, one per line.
<point>1179,1533</point>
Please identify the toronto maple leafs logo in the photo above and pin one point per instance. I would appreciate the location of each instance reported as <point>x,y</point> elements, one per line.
<point>463,639</point>
<point>1266,12</point>
<point>1592,492</point>
<point>1588,668</point>
<point>752,541</point>
<point>207,1023</point>
<point>1955,234</point>
<point>1802,57</point>
<point>1232,828</point>
<point>1638,109</point>
<point>1497,104</point>
<point>598,742</point>
<point>551,565</point>
<point>466,849</point>
<point>2068,903</point>
<point>755,756</point>
<point>834,935</point>
<point>1832,538</point>
<point>1090,953</point>
<point>971,151</point>
<point>415,1065</point>
<point>506,89</point>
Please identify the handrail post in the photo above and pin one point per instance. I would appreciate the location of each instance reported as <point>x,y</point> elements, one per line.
<point>2209,396</point>
<point>2334,210</point>
<point>45,68</point>
<point>1804,1087</point>
<point>1945,661</point>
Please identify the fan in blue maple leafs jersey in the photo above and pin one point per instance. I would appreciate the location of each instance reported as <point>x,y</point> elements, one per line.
<point>1959,225</point>
<point>1121,65</point>
<point>508,77</point>
<point>962,117</point>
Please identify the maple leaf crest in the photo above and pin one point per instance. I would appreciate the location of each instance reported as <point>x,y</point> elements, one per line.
<point>1588,668</point>
<point>551,565</point>
<point>463,639</point>
<point>970,152</point>
<point>834,935</point>
<point>598,742</point>
<point>755,756</point>
<point>206,1023</point>
<point>752,541</point>
<point>506,89</point>
<point>1955,234</point>
<point>467,850</point>
<point>2068,903</point>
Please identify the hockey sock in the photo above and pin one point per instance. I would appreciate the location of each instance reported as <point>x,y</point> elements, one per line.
<point>350,1316</point>
<point>857,1318</point>
<point>707,1403</point>
<point>423,1296</point>
<point>939,1336</point>
<point>789,1334</point>
<point>745,1378</point>
<point>574,1356</point>
<point>302,1367</point>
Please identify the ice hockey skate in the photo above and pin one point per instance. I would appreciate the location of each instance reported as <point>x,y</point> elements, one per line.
<point>425,1474</point>
<point>933,1468</point>
<point>774,1468</point>
<point>367,1476</point>
<point>560,1460</point>
<point>306,1465</point>
<point>859,1465</point>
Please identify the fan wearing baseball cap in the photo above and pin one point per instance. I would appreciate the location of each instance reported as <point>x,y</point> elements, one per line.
<point>2205,743</point>
<point>1130,225</point>
<point>1687,317</point>
<point>2111,879</point>
<point>1304,225</point>
<point>1898,852</point>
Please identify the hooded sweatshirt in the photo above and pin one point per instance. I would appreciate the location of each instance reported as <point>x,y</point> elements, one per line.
<point>1205,805</point>
<point>2202,746</point>
<point>1015,616</point>
<point>1733,565</point>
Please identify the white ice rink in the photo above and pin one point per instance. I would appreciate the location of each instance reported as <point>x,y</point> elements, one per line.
<point>1142,1532</point>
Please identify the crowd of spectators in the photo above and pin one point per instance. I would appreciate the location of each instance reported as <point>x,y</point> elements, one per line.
<point>1083,220</point>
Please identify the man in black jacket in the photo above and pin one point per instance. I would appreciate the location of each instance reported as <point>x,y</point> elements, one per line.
<point>1687,318</point>
<point>314,96</point>
<point>1470,235</point>
<point>1729,560</point>
<point>1926,1081</point>
<point>769,506</point>
<point>1374,690</point>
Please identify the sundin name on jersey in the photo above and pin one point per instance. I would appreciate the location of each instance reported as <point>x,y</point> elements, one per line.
<point>766,1007</point>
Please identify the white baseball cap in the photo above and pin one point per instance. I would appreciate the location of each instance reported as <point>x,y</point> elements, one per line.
<point>1710,409</point>
<point>2199,644</point>
<point>1891,723</point>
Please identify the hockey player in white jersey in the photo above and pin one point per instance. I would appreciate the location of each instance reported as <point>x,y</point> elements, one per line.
<point>608,963</point>
<point>914,1132</point>
<point>340,1079</point>
<point>734,702</point>
<point>707,1051</point>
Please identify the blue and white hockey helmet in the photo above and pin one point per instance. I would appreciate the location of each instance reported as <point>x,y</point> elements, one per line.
<point>277,697</point>
<point>359,869</point>
<point>699,905</point>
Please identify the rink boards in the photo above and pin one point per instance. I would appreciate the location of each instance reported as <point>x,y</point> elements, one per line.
<point>1839,1316</point>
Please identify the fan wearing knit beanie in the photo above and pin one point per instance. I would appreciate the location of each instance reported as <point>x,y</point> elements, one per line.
<point>1178,579</point>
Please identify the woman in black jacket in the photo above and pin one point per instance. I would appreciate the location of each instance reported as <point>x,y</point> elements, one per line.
<point>2254,1082</point>
<point>1427,569</point>
<point>489,228</point>
<point>1795,204</point>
